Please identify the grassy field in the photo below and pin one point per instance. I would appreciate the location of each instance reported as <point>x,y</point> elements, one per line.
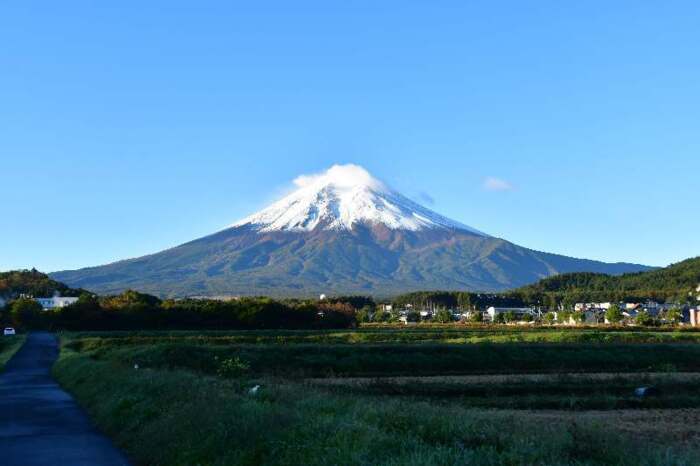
<point>391,396</point>
<point>421,334</point>
<point>8,347</point>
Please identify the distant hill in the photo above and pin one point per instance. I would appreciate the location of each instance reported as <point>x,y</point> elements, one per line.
<point>672,282</point>
<point>342,232</point>
<point>677,283</point>
<point>32,282</point>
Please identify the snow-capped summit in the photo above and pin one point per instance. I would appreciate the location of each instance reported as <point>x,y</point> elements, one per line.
<point>341,197</point>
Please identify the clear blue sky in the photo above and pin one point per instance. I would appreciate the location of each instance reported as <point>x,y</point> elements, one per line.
<point>129,128</point>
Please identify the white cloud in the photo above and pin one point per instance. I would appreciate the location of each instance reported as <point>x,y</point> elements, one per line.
<point>346,176</point>
<point>496,184</point>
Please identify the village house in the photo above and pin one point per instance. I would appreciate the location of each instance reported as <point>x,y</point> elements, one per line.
<point>55,302</point>
<point>587,316</point>
<point>406,321</point>
<point>594,316</point>
<point>630,313</point>
<point>654,308</point>
<point>578,307</point>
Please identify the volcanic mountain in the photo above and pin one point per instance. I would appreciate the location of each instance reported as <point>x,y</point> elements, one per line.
<point>342,231</point>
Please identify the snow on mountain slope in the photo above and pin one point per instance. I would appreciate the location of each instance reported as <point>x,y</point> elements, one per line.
<point>341,197</point>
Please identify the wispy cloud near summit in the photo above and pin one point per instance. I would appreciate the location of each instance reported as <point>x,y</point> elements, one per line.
<point>496,184</point>
<point>348,175</point>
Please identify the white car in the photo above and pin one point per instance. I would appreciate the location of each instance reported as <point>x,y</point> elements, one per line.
<point>9,331</point>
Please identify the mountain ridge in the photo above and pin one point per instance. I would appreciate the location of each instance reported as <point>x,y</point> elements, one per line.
<point>298,264</point>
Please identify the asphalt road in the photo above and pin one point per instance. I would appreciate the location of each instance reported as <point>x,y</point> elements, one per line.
<point>41,424</point>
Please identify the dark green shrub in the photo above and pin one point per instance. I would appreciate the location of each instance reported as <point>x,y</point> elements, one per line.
<point>233,368</point>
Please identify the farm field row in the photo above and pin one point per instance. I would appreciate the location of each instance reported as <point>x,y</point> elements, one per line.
<point>375,360</point>
<point>454,334</point>
<point>182,399</point>
<point>649,377</point>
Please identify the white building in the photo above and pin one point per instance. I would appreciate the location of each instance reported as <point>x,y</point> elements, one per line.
<point>694,317</point>
<point>55,302</point>
<point>518,311</point>
<point>587,306</point>
<point>404,319</point>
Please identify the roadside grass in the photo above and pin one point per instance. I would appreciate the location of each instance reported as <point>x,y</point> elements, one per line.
<point>170,415</point>
<point>8,347</point>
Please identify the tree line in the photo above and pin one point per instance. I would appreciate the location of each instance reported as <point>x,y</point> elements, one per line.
<point>132,310</point>
<point>676,283</point>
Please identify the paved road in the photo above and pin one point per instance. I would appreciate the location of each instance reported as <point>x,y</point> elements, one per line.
<point>40,424</point>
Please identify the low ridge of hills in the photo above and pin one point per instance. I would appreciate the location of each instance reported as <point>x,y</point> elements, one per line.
<point>673,282</point>
<point>32,282</point>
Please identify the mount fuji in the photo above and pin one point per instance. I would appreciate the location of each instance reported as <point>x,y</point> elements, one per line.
<point>342,231</point>
<point>342,197</point>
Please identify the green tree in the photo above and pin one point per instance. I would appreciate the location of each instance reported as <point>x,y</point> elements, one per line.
<point>443,316</point>
<point>86,314</point>
<point>463,300</point>
<point>362,316</point>
<point>26,313</point>
<point>499,318</point>
<point>549,318</point>
<point>614,314</point>
<point>551,302</point>
<point>476,316</point>
<point>673,315</point>
<point>412,316</point>
<point>381,315</point>
<point>528,318</point>
<point>643,318</point>
<point>131,299</point>
<point>509,316</point>
<point>564,316</point>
